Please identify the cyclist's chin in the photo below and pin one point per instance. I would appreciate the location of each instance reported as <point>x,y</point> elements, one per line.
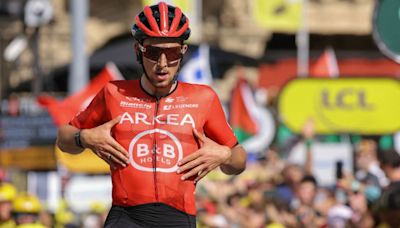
<point>162,83</point>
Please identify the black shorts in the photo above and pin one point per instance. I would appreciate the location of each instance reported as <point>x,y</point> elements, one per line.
<point>148,215</point>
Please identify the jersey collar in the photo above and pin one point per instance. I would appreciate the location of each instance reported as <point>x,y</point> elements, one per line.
<point>151,95</point>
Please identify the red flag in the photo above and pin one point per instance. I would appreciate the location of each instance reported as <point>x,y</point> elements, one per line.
<point>326,66</point>
<point>63,111</point>
<point>241,111</point>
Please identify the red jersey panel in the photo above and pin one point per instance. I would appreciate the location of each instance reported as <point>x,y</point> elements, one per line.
<point>157,133</point>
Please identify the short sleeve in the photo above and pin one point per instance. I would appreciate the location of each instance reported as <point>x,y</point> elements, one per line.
<point>94,115</point>
<point>216,126</point>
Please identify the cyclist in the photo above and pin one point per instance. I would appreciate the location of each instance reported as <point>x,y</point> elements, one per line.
<point>159,136</point>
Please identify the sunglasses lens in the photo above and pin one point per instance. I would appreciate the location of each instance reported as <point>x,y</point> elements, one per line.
<point>173,53</point>
<point>153,53</point>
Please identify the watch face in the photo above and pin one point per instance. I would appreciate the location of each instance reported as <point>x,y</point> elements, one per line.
<point>386,24</point>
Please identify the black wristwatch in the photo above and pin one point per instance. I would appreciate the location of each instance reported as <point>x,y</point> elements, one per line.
<point>78,139</point>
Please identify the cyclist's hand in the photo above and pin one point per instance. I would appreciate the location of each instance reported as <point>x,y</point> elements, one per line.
<point>100,141</point>
<point>208,157</point>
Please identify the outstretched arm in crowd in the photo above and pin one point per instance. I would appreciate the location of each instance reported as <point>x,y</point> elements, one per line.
<point>308,134</point>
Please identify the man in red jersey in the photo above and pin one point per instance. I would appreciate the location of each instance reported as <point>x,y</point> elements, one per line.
<point>159,136</point>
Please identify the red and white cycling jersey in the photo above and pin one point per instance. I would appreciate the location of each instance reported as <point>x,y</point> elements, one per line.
<point>157,134</point>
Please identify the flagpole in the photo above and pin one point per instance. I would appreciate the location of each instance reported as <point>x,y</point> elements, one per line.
<point>199,8</point>
<point>302,41</point>
<point>79,69</point>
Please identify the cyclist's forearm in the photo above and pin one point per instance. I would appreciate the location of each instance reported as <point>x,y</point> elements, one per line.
<point>66,139</point>
<point>236,163</point>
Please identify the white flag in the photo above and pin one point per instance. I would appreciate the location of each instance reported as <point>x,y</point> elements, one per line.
<point>197,69</point>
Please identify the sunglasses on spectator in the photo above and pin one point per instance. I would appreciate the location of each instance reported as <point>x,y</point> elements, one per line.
<point>153,52</point>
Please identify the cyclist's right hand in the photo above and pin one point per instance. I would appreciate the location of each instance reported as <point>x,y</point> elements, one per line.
<point>100,141</point>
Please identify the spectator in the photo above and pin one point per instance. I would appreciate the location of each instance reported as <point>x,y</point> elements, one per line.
<point>388,206</point>
<point>26,209</point>
<point>303,205</point>
<point>292,175</point>
<point>7,195</point>
<point>368,170</point>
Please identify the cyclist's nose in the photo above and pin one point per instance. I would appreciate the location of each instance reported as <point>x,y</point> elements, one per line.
<point>162,61</point>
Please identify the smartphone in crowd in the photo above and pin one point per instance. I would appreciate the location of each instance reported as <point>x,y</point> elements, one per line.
<point>339,169</point>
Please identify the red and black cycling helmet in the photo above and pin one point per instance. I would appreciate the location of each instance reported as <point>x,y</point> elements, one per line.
<point>161,20</point>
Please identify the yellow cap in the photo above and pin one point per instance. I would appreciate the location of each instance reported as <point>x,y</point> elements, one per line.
<point>26,203</point>
<point>31,225</point>
<point>7,192</point>
<point>97,207</point>
<point>275,225</point>
<point>64,217</point>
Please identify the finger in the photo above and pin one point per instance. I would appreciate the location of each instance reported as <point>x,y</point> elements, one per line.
<point>116,156</point>
<point>119,148</point>
<point>189,165</point>
<point>112,164</point>
<point>193,172</point>
<point>200,175</point>
<point>189,158</point>
<point>114,121</point>
<point>107,160</point>
<point>199,136</point>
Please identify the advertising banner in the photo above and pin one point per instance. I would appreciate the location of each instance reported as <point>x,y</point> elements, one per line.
<point>85,162</point>
<point>344,105</point>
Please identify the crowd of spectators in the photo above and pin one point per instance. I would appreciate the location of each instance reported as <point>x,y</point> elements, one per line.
<point>274,192</point>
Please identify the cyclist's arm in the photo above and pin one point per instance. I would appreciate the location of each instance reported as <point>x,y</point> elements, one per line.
<point>236,163</point>
<point>88,118</point>
<point>98,139</point>
<point>66,139</point>
<point>209,156</point>
<point>220,132</point>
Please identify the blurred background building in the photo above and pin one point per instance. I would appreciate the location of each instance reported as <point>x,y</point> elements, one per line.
<point>236,26</point>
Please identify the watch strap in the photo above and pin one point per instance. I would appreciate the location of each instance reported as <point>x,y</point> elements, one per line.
<point>78,139</point>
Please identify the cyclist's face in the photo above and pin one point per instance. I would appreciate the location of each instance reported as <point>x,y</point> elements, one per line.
<point>161,60</point>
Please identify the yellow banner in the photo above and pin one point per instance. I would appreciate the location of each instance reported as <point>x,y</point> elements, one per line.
<point>29,158</point>
<point>278,15</point>
<point>348,105</point>
<point>85,162</point>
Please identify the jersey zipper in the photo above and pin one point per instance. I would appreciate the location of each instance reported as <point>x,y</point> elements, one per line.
<point>155,150</point>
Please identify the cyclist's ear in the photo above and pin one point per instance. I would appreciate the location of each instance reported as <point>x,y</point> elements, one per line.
<point>184,48</point>
<point>138,52</point>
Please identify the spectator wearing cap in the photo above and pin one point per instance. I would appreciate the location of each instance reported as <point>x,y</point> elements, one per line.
<point>7,194</point>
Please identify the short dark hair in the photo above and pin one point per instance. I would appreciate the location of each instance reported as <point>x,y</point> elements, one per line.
<point>389,157</point>
<point>309,178</point>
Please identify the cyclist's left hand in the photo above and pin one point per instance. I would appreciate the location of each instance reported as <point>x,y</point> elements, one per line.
<point>201,162</point>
